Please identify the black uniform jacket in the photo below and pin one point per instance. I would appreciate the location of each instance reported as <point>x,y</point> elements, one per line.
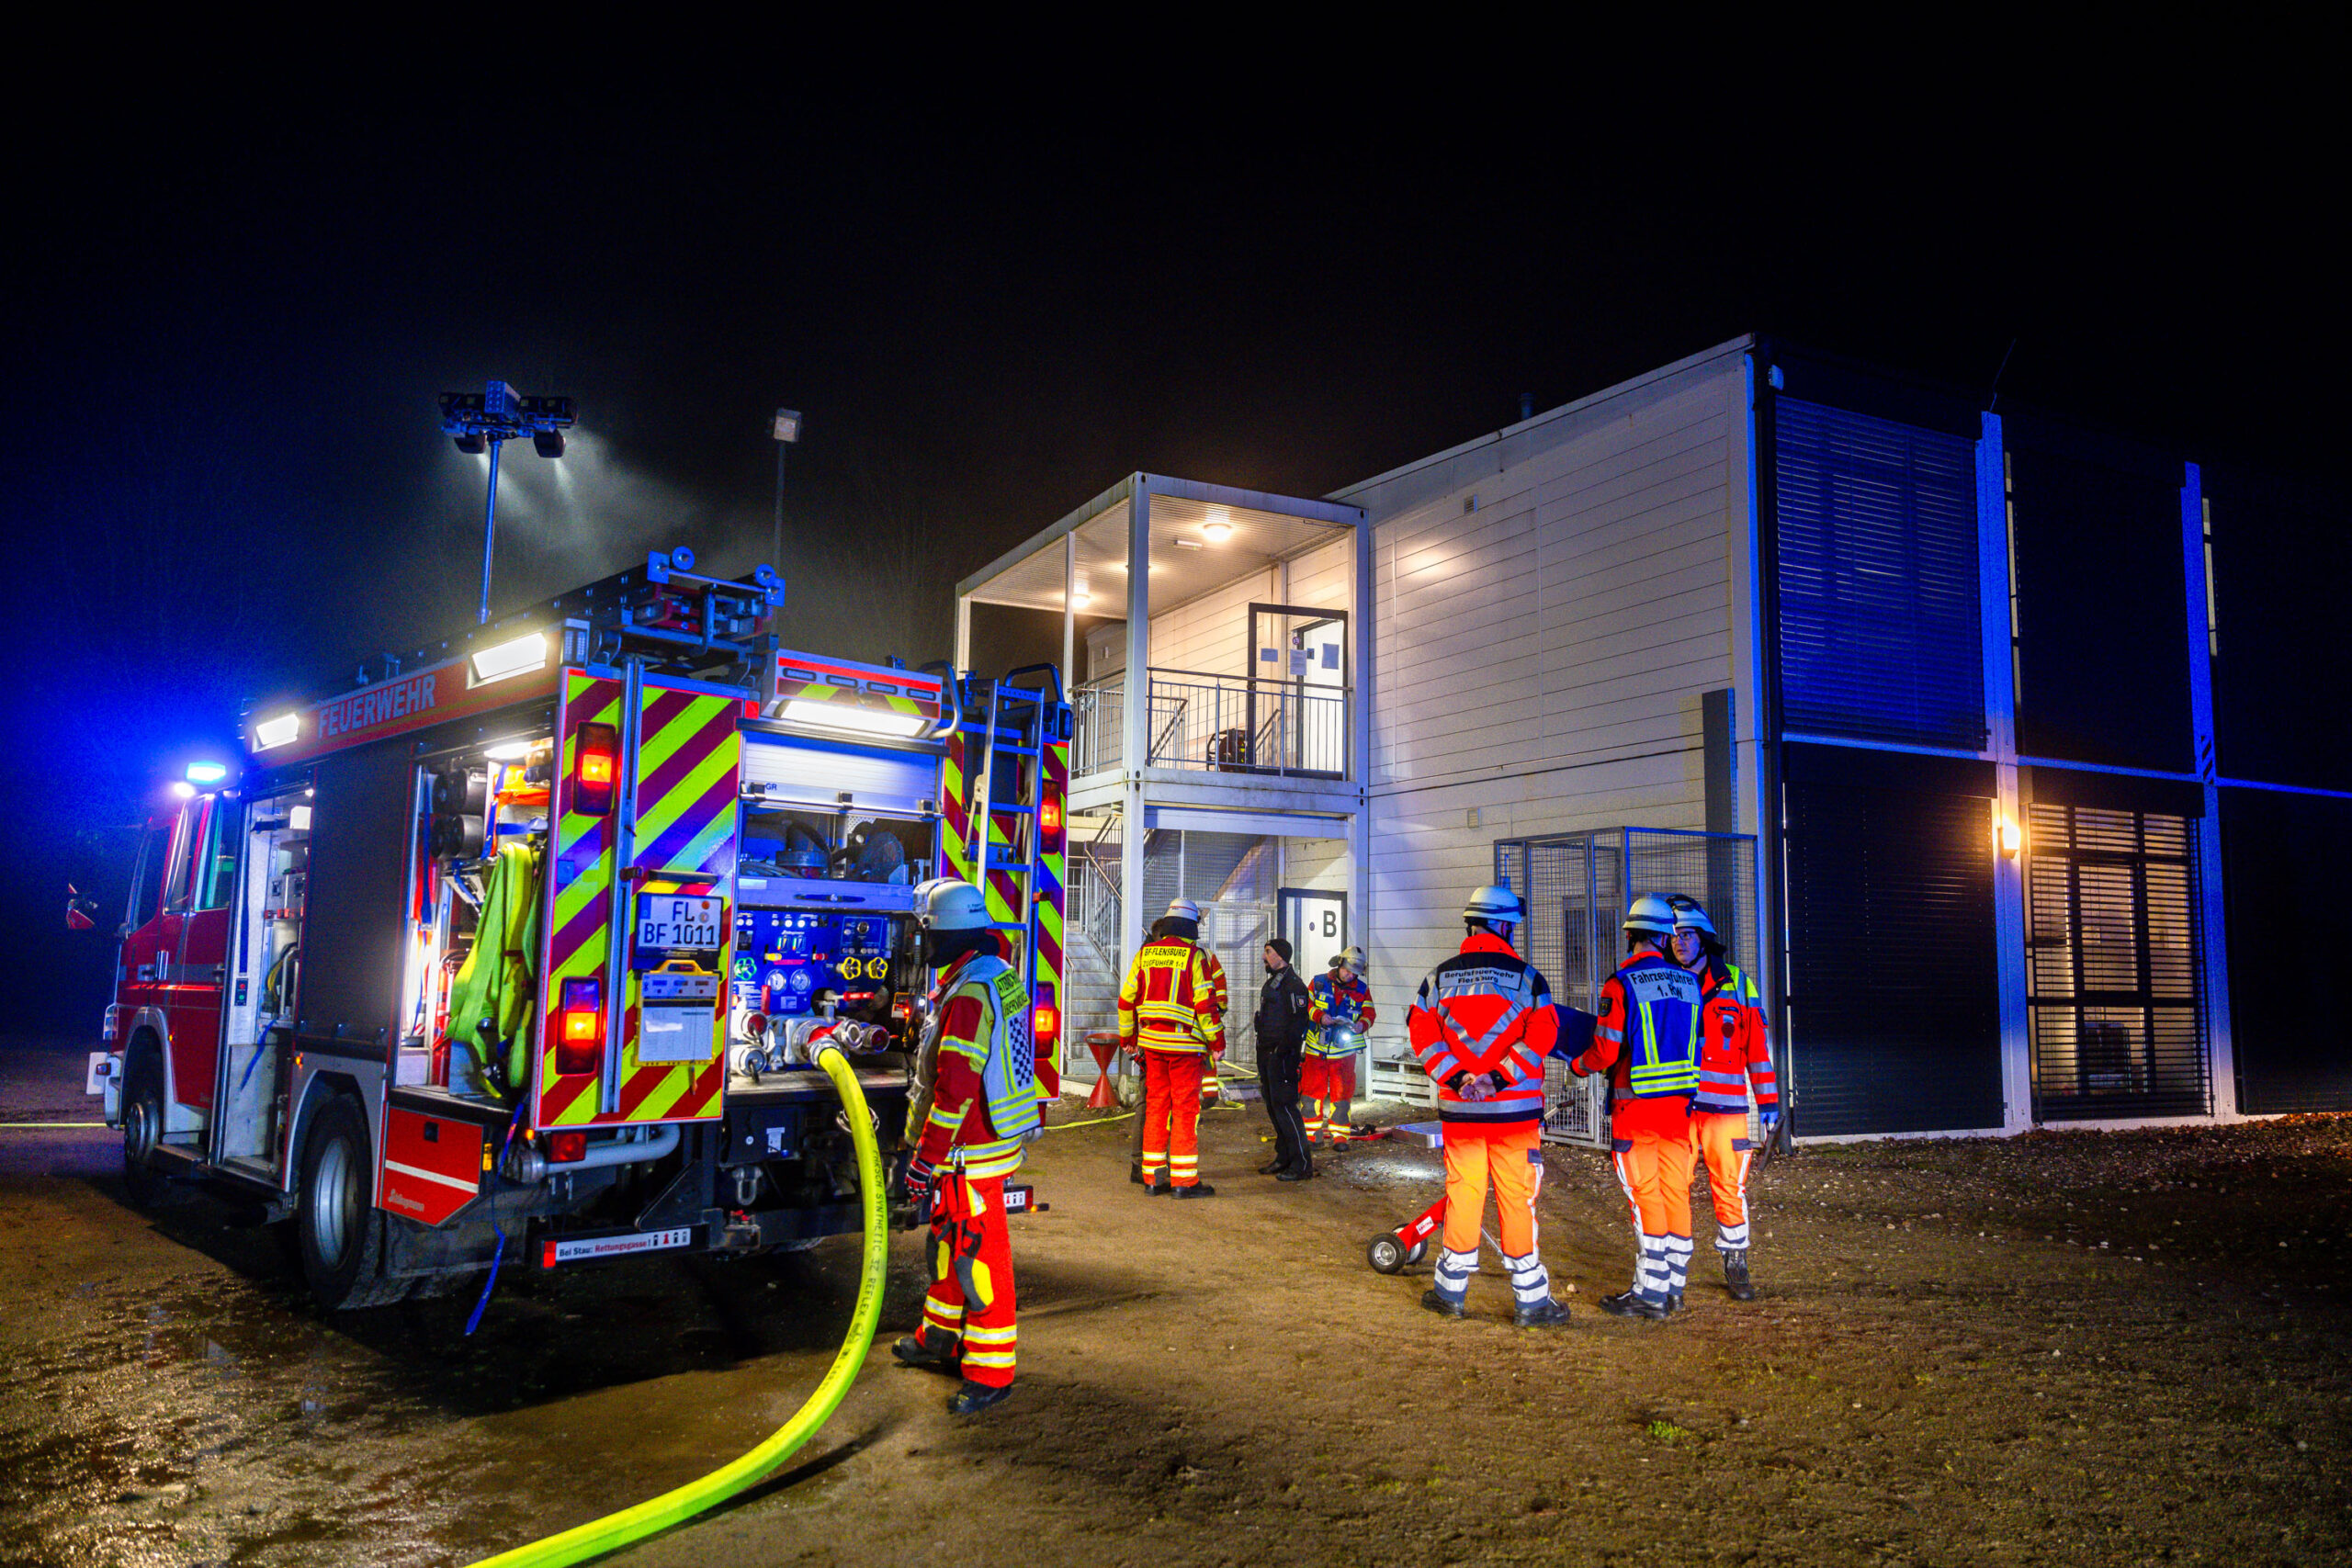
<point>1282,1012</point>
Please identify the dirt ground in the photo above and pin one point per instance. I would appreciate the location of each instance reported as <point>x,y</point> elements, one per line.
<point>2067,1349</point>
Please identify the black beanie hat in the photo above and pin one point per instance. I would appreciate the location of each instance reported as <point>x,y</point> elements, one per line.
<point>1281,944</point>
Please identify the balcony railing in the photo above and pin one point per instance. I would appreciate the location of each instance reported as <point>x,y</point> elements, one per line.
<point>1233,723</point>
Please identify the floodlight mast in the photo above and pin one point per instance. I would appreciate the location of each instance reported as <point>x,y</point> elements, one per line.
<point>481,422</point>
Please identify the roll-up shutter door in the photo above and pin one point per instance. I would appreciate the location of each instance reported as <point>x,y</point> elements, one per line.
<point>1894,983</point>
<point>1879,624</point>
<point>799,771</point>
<point>2282,881</point>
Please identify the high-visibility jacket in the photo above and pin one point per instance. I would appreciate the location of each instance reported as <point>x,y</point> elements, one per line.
<point>1333,1000</point>
<point>1485,1010</point>
<point>1168,1000</point>
<point>1647,1035</point>
<point>984,1101</point>
<point>1220,994</point>
<point>1735,1042</point>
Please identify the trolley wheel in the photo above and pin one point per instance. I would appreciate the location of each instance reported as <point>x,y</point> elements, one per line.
<point>1416,1252</point>
<point>1384,1253</point>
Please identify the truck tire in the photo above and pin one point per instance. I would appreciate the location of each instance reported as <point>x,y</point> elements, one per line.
<point>142,1129</point>
<point>339,1233</point>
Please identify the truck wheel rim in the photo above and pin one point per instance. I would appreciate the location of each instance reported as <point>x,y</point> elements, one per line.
<point>331,1202</point>
<point>139,1133</point>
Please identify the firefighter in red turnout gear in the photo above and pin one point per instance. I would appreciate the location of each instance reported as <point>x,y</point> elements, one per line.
<point>1734,1054</point>
<point>1646,1039</point>
<point>984,1106</point>
<point>1481,1025</point>
<point>1337,998</point>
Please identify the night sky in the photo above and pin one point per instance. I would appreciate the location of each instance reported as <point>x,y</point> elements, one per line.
<point>237,292</point>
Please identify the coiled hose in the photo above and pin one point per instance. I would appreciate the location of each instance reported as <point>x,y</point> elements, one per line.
<point>616,1530</point>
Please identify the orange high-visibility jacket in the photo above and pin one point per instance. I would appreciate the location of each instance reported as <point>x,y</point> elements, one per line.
<point>1169,1002</point>
<point>1485,1010</point>
<point>1735,1043</point>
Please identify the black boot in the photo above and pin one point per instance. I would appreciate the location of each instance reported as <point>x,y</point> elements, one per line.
<point>973,1398</point>
<point>1735,1278</point>
<point>1272,1168</point>
<point>1302,1171</point>
<point>1197,1189</point>
<point>1158,1189</point>
<point>1549,1313</point>
<point>1629,1304</point>
<point>913,1352</point>
<point>1444,1307</point>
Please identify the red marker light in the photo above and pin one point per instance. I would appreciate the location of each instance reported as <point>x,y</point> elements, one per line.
<point>1049,816</point>
<point>1047,1023</point>
<point>597,762</point>
<point>580,1028</point>
<point>566,1148</point>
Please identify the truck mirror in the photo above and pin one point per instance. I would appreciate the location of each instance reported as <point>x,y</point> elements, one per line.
<point>80,912</point>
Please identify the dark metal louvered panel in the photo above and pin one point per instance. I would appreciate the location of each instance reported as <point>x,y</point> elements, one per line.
<point>2282,871</point>
<point>1880,636</point>
<point>2116,1011</point>
<point>1893,980</point>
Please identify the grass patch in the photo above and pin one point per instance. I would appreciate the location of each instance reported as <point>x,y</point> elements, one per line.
<point>1666,1432</point>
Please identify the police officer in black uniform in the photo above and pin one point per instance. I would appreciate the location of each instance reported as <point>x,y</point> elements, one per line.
<point>1281,1022</point>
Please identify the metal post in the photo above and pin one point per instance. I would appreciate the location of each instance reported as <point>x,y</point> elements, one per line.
<point>2001,735</point>
<point>2221,1048</point>
<point>489,529</point>
<point>775,536</point>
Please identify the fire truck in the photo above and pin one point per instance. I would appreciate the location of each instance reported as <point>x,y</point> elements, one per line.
<point>518,949</point>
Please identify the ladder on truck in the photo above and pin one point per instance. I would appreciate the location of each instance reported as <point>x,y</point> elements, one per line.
<point>1011,725</point>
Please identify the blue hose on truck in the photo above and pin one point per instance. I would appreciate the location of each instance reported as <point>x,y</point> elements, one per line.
<point>681,1503</point>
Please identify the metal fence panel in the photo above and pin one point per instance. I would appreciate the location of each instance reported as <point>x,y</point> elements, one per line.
<point>1576,886</point>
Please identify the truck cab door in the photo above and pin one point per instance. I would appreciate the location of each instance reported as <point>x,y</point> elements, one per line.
<point>204,949</point>
<point>187,985</point>
<point>150,937</point>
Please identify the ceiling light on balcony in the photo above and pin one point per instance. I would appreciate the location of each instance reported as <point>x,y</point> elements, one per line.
<point>1081,601</point>
<point>1217,532</point>
<point>1188,543</point>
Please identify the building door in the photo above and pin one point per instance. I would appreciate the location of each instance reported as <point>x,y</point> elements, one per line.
<point>2113,962</point>
<point>1317,924</point>
<point>1298,690</point>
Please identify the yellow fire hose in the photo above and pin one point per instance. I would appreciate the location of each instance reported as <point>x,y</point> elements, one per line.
<point>616,1530</point>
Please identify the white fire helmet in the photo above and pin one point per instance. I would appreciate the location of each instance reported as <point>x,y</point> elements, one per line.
<point>1652,914</point>
<point>946,904</point>
<point>1184,910</point>
<point>1689,914</point>
<point>1496,903</point>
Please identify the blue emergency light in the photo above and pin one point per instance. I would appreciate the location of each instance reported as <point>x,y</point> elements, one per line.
<point>205,772</point>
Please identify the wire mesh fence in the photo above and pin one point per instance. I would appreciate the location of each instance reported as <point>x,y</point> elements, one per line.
<point>1576,887</point>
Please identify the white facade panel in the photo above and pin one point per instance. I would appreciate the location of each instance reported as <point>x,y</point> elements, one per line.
<point>1541,656</point>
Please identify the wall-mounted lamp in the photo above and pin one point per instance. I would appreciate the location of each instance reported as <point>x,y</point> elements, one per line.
<point>2009,837</point>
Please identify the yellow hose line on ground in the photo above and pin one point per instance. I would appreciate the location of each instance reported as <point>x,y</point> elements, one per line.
<point>47,1125</point>
<point>615,1531</point>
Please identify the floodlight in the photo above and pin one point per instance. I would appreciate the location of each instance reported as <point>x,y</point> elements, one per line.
<point>841,716</point>
<point>183,789</point>
<point>511,658</point>
<point>787,424</point>
<point>278,731</point>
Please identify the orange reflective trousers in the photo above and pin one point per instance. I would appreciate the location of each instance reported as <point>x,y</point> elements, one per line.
<point>1171,1116</point>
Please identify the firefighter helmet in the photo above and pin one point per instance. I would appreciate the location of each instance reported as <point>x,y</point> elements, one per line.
<point>1496,903</point>
<point>1650,913</point>
<point>1689,914</point>
<point>1349,959</point>
<point>946,904</point>
<point>1185,909</point>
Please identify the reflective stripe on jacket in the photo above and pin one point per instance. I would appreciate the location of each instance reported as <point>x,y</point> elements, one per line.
<point>1735,1042</point>
<point>1169,1001</point>
<point>1333,1000</point>
<point>1485,1010</point>
<point>1648,1028</point>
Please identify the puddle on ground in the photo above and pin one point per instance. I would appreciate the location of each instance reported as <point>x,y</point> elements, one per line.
<point>216,1417</point>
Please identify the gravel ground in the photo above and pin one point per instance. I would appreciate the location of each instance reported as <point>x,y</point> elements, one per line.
<point>2079,1349</point>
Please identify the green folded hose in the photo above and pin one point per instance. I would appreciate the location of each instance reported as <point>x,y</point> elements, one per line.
<point>675,1506</point>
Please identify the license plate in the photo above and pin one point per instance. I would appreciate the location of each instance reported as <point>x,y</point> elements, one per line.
<point>668,921</point>
<point>589,1248</point>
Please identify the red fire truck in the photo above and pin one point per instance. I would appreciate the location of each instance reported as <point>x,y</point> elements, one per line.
<point>521,946</point>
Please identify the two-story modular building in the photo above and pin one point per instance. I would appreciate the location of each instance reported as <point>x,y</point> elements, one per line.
<point>1973,727</point>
